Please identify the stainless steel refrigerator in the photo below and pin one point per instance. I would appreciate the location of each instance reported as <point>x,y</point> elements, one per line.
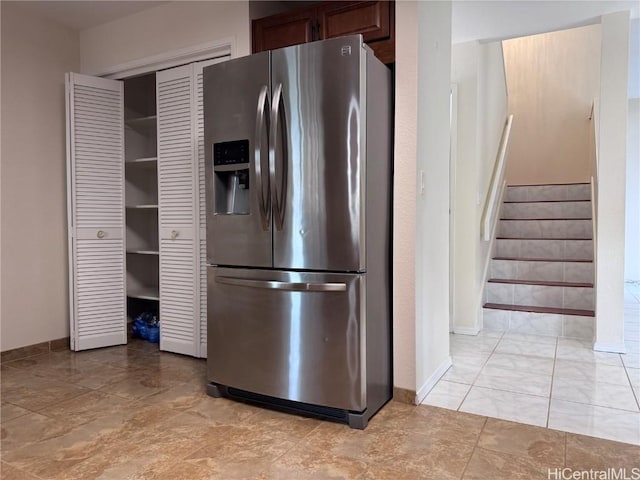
<point>298,184</point>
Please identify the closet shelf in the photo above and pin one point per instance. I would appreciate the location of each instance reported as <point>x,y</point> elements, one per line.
<point>143,207</point>
<point>144,252</point>
<point>142,124</point>
<point>148,293</point>
<point>142,161</point>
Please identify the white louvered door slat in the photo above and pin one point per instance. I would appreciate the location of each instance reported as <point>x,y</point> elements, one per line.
<point>202,213</point>
<point>202,218</point>
<point>177,212</point>
<point>95,198</point>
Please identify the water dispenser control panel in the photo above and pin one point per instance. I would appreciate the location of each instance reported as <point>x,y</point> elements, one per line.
<point>231,180</point>
<point>231,153</point>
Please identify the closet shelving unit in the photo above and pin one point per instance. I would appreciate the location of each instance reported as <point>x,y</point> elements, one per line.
<point>141,193</point>
<point>136,207</point>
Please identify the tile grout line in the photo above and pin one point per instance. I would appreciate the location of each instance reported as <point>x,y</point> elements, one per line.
<point>553,374</point>
<point>475,447</point>
<point>633,391</point>
<point>22,470</point>
<point>479,371</point>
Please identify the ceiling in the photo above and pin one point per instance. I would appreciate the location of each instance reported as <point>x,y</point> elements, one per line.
<point>495,20</point>
<point>472,19</point>
<point>79,15</point>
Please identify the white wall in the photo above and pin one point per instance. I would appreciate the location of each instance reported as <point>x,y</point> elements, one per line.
<point>432,220</point>
<point>611,182</point>
<point>464,73</point>
<point>478,71</point>
<point>491,120</point>
<point>167,27</point>
<point>552,80</point>
<point>632,212</point>
<point>421,220</point>
<point>404,201</point>
<point>35,55</point>
<point>634,58</point>
<point>632,221</point>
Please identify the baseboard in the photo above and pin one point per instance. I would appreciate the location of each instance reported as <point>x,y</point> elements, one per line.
<point>404,395</point>
<point>35,349</point>
<point>609,347</point>
<point>466,330</point>
<point>432,380</point>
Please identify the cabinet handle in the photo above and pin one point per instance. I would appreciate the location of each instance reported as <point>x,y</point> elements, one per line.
<point>101,234</point>
<point>174,234</point>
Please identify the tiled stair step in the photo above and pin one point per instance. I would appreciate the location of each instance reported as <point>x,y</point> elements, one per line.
<point>547,283</point>
<point>542,269</point>
<point>536,309</point>
<point>539,320</point>
<point>545,228</point>
<point>560,295</point>
<point>545,210</point>
<point>549,249</point>
<point>540,238</point>
<point>528,193</point>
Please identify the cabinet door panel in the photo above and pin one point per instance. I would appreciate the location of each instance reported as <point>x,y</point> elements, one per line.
<point>371,19</point>
<point>283,30</point>
<point>95,207</point>
<point>178,209</point>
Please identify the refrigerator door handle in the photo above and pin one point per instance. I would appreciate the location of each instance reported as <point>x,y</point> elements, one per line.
<point>261,120</point>
<point>290,286</point>
<point>278,195</point>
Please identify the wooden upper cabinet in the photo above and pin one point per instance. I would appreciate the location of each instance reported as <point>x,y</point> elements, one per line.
<point>371,19</point>
<point>283,30</point>
<point>375,20</point>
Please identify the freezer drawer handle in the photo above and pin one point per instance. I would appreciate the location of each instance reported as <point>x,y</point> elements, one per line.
<point>292,286</point>
<point>262,121</point>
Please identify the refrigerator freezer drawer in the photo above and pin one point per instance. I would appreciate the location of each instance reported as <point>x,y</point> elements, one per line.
<point>292,335</point>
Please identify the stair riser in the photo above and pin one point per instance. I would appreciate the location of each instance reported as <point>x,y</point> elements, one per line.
<point>542,210</point>
<point>579,298</point>
<point>545,229</point>
<point>546,249</point>
<point>539,323</point>
<point>547,193</point>
<point>543,271</point>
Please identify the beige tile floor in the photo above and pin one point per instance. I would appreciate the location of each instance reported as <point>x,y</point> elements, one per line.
<point>548,381</point>
<point>132,412</point>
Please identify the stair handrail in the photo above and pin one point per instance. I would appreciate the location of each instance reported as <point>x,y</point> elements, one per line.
<point>594,118</point>
<point>492,202</point>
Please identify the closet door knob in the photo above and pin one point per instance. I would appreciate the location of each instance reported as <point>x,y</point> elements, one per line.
<point>101,234</point>
<point>174,234</point>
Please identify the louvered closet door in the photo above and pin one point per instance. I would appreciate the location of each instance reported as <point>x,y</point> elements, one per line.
<point>202,217</point>
<point>178,210</point>
<point>202,214</point>
<point>95,194</point>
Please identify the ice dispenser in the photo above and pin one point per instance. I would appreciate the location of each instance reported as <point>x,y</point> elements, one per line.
<point>231,168</point>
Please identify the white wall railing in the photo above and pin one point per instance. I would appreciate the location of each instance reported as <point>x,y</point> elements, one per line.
<point>594,118</point>
<point>492,202</point>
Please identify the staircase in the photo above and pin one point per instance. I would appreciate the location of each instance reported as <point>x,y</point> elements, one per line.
<point>540,279</point>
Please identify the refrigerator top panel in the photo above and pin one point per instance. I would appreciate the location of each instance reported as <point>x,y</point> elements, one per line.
<point>236,111</point>
<point>317,155</point>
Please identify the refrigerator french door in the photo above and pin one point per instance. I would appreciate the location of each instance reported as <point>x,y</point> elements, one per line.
<point>297,152</point>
